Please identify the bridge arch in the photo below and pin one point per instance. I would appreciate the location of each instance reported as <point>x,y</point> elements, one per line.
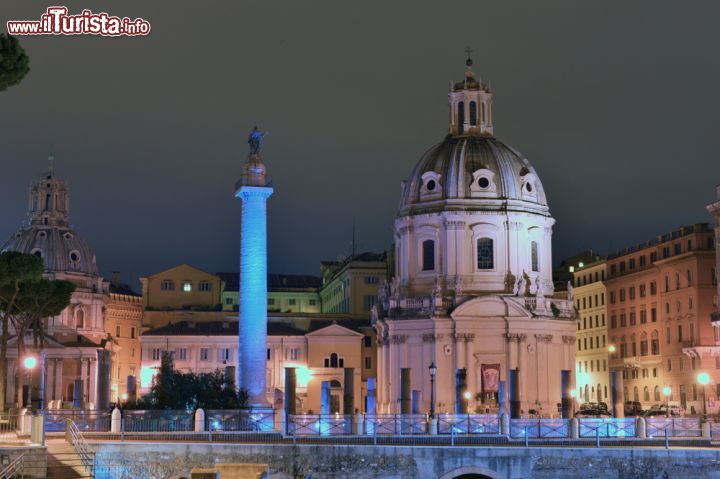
<point>470,472</point>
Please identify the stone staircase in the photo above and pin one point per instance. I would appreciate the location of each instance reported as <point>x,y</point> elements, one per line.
<point>63,462</point>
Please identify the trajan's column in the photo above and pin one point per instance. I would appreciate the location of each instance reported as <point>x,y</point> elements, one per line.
<point>253,189</point>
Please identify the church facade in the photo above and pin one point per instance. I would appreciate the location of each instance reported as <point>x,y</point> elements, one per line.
<point>84,362</point>
<point>473,292</point>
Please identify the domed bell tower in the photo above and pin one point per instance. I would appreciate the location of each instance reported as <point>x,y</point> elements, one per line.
<point>49,202</point>
<point>470,105</point>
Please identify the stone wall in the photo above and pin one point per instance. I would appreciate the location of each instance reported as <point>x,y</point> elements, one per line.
<point>35,459</point>
<point>173,461</point>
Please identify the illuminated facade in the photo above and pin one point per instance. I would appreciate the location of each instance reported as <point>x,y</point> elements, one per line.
<point>320,352</point>
<point>660,303</point>
<point>592,368</point>
<point>253,190</point>
<point>81,350</point>
<point>182,287</point>
<point>287,293</point>
<point>473,289</point>
<point>351,286</point>
<point>714,210</point>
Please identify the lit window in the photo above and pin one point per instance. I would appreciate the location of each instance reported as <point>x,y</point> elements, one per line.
<point>534,256</point>
<point>187,286</point>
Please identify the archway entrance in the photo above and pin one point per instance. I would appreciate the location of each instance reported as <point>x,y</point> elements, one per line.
<point>473,476</point>
<point>470,472</point>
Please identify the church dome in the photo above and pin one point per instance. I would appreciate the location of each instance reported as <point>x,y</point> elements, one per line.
<point>61,248</point>
<point>476,167</point>
<point>47,232</point>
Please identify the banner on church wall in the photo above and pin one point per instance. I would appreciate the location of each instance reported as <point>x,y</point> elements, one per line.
<point>490,377</point>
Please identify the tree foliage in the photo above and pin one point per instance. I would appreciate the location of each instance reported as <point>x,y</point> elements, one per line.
<point>174,390</point>
<point>26,301</point>
<point>14,63</point>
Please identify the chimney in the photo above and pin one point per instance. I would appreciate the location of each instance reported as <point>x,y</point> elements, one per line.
<point>116,278</point>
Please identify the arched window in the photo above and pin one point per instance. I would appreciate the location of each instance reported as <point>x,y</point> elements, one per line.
<point>461,118</point>
<point>79,318</point>
<point>333,360</point>
<point>485,253</point>
<point>636,394</point>
<point>599,391</point>
<point>656,394</point>
<point>534,256</point>
<point>473,113</point>
<point>646,394</point>
<point>482,108</point>
<point>428,255</point>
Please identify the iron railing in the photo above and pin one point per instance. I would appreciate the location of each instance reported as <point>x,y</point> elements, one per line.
<point>538,428</point>
<point>675,426</point>
<point>468,424</point>
<point>9,429</point>
<point>394,424</point>
<point>320,424</point>
<point>606,427</point>
<point>260,420</point>
<point>158,421</point>
<point>87,457</point>
<point>87,421</point>
<point>14,470</point>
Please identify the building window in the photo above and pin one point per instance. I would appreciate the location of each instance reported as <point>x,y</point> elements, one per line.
<point>623,321</point>
<point>312,302</point>
<point>155,354</point>
<point>534,256</point>
<point>473,113</point>
<point>181,354</point>
<point>485,253</point>
<point>653,315</point>
<point>369,301</point>
<point>225,354</point>
<point>117,331</point>
<point>228,301</point>
<point>655,347</point>
<point>204,354</point>
<point>371,280</point>
<point>271,301</point>
<point>428,255</point>
<point>653,288</point>
<point>669,365</point>
<point>368,363</point>
<point>167,285</point>
<point>643,316</point>
<point>292,302</point>
<point>631,292</point>
<point>205,286</point>
<point>79,318</point>
<point>642,290</point>
<point>187,287</point>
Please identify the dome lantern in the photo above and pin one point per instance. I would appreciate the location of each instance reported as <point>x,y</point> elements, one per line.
<point>470,104</point>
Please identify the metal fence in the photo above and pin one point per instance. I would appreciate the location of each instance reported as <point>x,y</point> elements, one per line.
<point>607,427</point>
<point>158,421</point>
<point>239,420</point>
<point>468,424</point>
<point>9,427</point>
<point>320,424</point>
<point>86,421</point>
<point>539,428</point>
<point>394,424</point>
<point>675,427</point>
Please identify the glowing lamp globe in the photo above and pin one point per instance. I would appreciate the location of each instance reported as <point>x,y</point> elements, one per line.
<point>703,378</point>
<point>666,390</point>
<point>30,362</point>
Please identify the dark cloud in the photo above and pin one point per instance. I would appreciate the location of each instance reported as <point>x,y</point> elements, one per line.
<point>615,103</point>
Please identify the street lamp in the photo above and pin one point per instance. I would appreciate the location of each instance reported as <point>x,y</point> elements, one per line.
<point>704,380</point>
<point>611,348</point>
<point>30,362</point>
<point>433,371</point>
<point>666,392</point>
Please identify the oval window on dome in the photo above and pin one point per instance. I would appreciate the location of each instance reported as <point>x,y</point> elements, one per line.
<point>68,236</point>
<point>74,256</point>
<point>430,185</point>
<point>37,252</point>
<point>528,187</point>
<point>42,235</point>
<point>483,182</point>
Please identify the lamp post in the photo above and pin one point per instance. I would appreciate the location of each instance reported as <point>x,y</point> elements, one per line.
<point>433,371</point>
<point>666,392</point>
<point>30,362</point>
<point>704,380</point>
<point>573,394</point>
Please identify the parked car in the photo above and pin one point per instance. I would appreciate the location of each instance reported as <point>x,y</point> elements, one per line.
<point>593,409</point>
<point>662,410</point>
<point>633,408</point>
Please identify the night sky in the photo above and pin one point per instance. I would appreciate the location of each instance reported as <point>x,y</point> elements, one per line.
<point>616,105</point>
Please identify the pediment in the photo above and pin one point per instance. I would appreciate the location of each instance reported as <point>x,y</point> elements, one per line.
<point>491,307</point>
